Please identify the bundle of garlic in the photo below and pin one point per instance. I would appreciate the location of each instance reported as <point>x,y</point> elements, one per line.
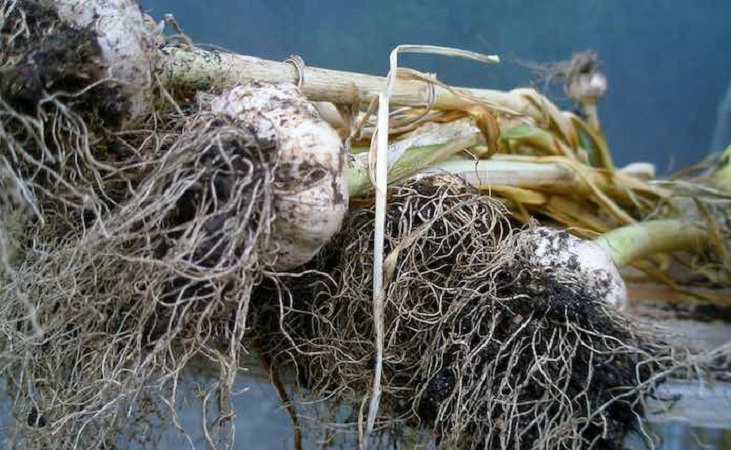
<point>138,226</point>
<point>113,46</point>
<point>155,191</point>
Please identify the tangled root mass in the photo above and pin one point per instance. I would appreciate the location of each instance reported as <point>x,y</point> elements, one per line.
<point>111,308</point>
<point>480,347</point>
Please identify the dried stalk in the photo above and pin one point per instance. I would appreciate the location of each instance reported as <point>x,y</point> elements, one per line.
<point>198,69</point>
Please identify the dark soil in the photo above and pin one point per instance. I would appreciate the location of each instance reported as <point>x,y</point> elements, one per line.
<point>53,57</point>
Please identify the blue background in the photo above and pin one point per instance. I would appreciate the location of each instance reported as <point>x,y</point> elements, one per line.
<point>668,61</point>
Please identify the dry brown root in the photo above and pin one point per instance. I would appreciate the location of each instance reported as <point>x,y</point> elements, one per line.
<point>481,346</point>
<point>62,175</point>
<point>128,246</point>
<point>98,318</point>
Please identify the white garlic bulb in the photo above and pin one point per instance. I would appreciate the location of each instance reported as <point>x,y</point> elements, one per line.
<point>128,40</point>
<point>582,260</point>
<point>311,195</point>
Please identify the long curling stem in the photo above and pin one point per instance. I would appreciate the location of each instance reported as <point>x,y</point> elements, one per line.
<point>631,243</point>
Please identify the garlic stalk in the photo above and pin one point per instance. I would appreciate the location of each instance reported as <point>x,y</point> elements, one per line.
<point>198,69</point>
<point>631,243</point>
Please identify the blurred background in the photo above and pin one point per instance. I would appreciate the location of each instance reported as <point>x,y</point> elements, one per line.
<point>668,61</point>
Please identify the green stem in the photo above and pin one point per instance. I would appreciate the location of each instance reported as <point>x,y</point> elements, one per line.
<point>631,243</point>
<point>412,161</point>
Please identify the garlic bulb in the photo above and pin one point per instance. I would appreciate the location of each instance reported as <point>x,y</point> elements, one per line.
<point>581,260</point>
<point>587,87</point>
<point>128,40</point>
<point>310,189</point>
